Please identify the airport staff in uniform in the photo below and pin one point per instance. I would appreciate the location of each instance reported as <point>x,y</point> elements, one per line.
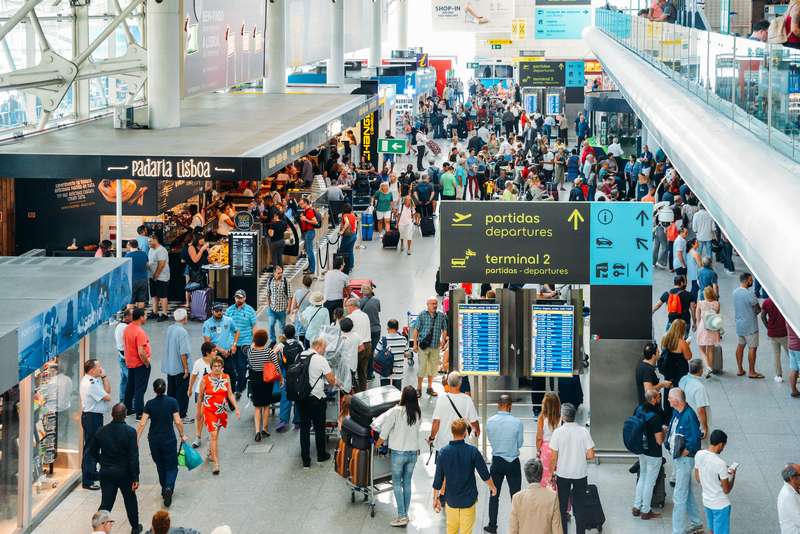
<point>95,394</point>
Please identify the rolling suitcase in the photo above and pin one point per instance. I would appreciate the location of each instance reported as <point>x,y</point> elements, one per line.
<point>369,404</point>
<point>593,516</point>
<point>346,257</point>
<point>343,455</point>
<point>427,227</point>
<point>359,467</point>
<point>355,435</point>
<point>366,227</point>
<point>716,365</point>
<point>356,285</point>
<point>201,303</point>
<point>391,239</point>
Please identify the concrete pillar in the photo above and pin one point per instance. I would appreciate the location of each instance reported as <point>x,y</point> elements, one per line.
<point>82,43</point>
<point>402,24</point>
<point>275,82</point>
<point>377,35</point>
<point>163,58</point>
<point>336,62</point>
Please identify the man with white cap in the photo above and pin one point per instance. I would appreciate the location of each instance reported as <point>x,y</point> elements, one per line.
<point>576,194</point>
<point>245,318</point>
<point>223,332</point>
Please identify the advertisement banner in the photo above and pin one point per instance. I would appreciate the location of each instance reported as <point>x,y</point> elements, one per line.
<point>472,15</point>
<point>100,196</point>
<point>369,138</point>
<point>224,44</point>
<point>47,335</point>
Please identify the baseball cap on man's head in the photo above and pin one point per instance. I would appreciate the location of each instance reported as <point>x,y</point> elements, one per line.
<point>217,306</point>
<point>240,293</point>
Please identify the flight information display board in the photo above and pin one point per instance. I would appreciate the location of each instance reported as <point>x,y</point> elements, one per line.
<point>552,330</point>
<point>479,339</point>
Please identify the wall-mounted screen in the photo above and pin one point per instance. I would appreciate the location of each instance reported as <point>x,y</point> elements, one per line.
<point>552,331</point>
<point>479,339</point>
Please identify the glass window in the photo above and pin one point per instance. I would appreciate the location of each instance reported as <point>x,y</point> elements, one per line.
<point>9,459</point>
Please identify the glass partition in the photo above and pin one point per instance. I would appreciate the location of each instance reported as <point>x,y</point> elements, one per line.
<point>755,85</point>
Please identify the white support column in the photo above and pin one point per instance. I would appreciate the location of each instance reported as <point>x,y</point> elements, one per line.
<point>163,57</point>
<point>336,62</point>
<point>377,36</point>
<point>402,24</point>
<point>81,42</point>
<point>276,32</point>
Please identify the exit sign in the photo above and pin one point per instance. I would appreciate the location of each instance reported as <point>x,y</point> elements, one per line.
<point>473,65</point>
<point>497,47</point>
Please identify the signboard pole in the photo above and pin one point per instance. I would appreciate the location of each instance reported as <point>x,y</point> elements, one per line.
<point>119,219</point>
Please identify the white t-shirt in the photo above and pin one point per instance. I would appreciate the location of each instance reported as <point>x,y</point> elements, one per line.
<point>118,335</point>
<point>572,442</point>
<point>197,221</point>
<point>351,341</point>
<point>361,325</point>
<point>712,470</point>
<point>445,413</point>
<point>505,148</point>
<point>199,370</point>
<point>335,282</point>
<point>548,160</point>
<point>316,371</point>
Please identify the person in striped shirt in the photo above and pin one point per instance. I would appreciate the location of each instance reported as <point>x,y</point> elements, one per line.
<point>398,344</point>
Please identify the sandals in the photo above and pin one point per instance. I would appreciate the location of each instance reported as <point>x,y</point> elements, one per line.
<point>431,393</point>
<point>216,469</point>
<point>419,393</point>
<point>264,434</point>
<point>258,436</point>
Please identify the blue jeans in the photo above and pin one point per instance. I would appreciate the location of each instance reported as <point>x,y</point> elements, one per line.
<point>727,255</point>
<point>272,317</point>
<point>719,521</point>
<point>240,363</point>
<point>649,467</point>
<point>165,456</point>
<point>123,376</point>
<point>403,463</point>
<point>683,496</point>
<point>308,237</point>
<point>286,406</point>
<point>705,249</point>
<point>347,244</point>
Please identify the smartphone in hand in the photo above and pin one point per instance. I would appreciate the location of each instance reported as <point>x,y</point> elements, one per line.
<point>734,466</point>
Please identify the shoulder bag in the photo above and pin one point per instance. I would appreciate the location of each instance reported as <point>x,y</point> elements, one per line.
<point>293,317</point>
<point>469,427</point>
<point>271,373</point>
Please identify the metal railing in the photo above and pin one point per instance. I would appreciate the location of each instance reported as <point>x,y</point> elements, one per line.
<point>756,85</point>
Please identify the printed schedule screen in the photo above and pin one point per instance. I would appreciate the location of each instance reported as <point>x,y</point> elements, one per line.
<point>479,339</point>
<point>552,329</point>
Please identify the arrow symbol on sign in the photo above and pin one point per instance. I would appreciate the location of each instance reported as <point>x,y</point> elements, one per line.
<point>641,269</point>
<point>641,243</point>
<point>561,66</point>
<point>576,215</point>
<point>396,146</point>
<point>642,217</point>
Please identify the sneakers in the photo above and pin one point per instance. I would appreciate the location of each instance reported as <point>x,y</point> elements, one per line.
<point>187,420</point>
<point>401,246</point>
<point>402,522</point>
<point>409,252</point>
<point>137,529</point>
<point>196,442</point>
<point>489,530</point>
<point>794,395</point>
<point>152,315</point>
<point>662,267</point>
<point>650,515</point>
<point>281,427</point>
<point>238,395</point>
<point>306,466</point>
<point>778,379</point>
<point>324,458</point>
<point>297,426</point>
<point>694,529</point>
<point>167,497</point>
<point>161,318</point>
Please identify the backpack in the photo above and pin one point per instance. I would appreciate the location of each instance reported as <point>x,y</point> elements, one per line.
<point>317,216</point>
<point>634,434</point>
<point>383,363</point>
<point>665,364</point>
<point>674,302</point>
<point>298,386</point>
<point>776,34</point>
<point>423,188</point>
<point>291,349</point>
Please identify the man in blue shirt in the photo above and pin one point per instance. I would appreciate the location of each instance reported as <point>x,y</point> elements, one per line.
<point>646,160</point>
<point>461,179</point>
<point>506,436</point>
<point>139,287</point>
<point>144,243</point>
<point>245,318</point>
<point>472,163</point>
<point>706,277</point>
<point>223,332</point>
<point>177,362</point>
<point>457,462</point>
<point>683,442</point>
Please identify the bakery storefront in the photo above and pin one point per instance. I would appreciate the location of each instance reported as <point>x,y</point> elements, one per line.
<point>43,346</point>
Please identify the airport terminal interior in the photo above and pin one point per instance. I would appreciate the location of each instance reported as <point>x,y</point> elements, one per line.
<point>394,255</point>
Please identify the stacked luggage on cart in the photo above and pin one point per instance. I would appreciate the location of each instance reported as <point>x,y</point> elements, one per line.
<point>357,460</point>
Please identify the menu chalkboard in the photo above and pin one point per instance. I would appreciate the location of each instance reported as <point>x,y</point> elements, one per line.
<point>243,253</point>
<point>552,330</point>
<point>479,339</point>
<point>173,192</point>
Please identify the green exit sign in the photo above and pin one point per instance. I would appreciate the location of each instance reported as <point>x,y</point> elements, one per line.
<point>473,65</point>
<point>497,47</point>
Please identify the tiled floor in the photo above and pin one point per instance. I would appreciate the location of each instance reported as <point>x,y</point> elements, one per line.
<point>264,489</point>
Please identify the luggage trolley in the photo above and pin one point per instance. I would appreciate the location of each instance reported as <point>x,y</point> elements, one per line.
<point>380,478</point>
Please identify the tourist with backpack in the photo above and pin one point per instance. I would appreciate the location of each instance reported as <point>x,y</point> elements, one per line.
<point>305,387</point>
<point>393,347</point>
<point>287,349</point>
<point>643,434</point>
<point>680,304</point>
<point>673,362</point>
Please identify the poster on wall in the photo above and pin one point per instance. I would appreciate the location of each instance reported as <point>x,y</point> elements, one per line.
<point>100,196</point>
<point>47,335</point>
<point>472,15</point>
<point>223,44</point>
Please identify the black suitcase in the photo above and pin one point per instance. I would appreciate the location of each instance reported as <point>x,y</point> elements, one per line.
<point>427,227</point>
<point>345,257</point>
<point>592,516</point>
<point>355,435</point>
<point>391,239</point>
<point>369,404</point>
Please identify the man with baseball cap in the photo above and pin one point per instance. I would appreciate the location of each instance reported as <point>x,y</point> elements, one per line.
<point>223,332</point>
<point>577,191</point>
<point>245,318</point>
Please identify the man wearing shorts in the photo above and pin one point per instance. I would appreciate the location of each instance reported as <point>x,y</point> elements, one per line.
<point>139,261</point>
<point>430,335</point>
<point>158,269</point>
<point>746,309</point>
<point>461,178</point>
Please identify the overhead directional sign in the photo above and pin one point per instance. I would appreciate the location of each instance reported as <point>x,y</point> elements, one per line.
<point>473,65</point>
<point>542,73</point>
<point>518,242</point>
<point>621,243</point>
<point>561,23</point>
<point>501,41</point>
<point>576,74</point>
<point>392,146</point>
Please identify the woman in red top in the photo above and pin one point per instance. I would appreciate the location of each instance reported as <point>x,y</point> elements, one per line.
<point>348,232</point>
<point>216,393</point>
<point>793,25</point>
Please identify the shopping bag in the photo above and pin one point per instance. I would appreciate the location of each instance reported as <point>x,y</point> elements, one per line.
<point>270,373</point>
<point>192,458</point>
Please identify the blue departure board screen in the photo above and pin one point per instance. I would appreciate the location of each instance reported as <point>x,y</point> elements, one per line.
<point>479,339</point>
<point>552,330</point>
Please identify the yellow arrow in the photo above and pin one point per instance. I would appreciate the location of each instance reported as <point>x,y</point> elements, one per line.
<point>576,215</point>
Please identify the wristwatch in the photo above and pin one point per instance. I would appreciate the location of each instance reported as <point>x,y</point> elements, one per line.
<point>103,377</point>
